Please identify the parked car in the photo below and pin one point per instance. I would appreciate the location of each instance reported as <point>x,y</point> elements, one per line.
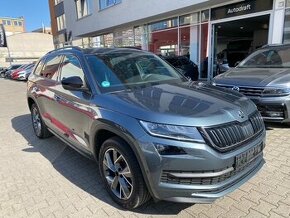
<point>187,67</point>
<point>152,132</point>
<point>9,73</point>
<point>23,73</point>
<point>264,77</point>
<point>12,67</point>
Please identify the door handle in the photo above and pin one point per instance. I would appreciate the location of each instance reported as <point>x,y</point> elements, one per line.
<point>57,98</point>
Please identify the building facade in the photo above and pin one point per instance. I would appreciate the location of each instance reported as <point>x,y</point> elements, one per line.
<point>13,25</point>
<point>25,48</point>
<point>212,33</point>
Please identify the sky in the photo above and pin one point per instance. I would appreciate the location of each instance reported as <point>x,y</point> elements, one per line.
<point>35,12</point>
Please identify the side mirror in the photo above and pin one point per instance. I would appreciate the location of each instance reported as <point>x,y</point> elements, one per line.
<point>72,83</point>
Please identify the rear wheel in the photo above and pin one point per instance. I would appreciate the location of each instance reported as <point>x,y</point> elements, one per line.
<point>39,126</point>
<point>121,174</point>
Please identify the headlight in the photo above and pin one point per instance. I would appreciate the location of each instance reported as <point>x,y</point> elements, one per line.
<point>276,92</point>
<point>181,133</point>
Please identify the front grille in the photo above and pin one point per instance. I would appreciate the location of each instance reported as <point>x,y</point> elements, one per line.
<point>248,91</point>
<point>231,135</point>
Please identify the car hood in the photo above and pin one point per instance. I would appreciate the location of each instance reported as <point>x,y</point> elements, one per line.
<point>255,77</point>
<point>190,103</point>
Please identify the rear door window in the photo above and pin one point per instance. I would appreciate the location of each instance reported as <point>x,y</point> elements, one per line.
<point>50,69</point>
<point>39,67</point>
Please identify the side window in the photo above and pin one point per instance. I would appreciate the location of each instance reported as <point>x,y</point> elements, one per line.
<point>39,68</point>
<point>50,69</point>
<point>71,67</point>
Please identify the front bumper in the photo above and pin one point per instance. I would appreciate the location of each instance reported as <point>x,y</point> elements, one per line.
<point>273,109</point>
<point>200,161</point>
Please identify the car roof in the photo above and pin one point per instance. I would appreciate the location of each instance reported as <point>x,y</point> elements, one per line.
<point>73,49</point>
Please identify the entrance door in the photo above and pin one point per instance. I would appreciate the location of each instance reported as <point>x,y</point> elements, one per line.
<point>235,40</point>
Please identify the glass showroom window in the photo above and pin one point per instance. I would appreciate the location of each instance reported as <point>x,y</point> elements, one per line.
<point>189,37</point>
<point>108,3</point>
<point>83,7</point>
<point>141,37</point>
<point>124,38</point>
<point>287,26</point>
<point>61,22</point>
<point>163,38</point>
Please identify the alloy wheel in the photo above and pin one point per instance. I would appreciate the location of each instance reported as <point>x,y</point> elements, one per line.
<point>36,121</point>
<point>118,174</point>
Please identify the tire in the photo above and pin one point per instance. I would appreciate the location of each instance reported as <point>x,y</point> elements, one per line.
<point>39,127</point>
<point>2,75</point>
<point>123,179</point>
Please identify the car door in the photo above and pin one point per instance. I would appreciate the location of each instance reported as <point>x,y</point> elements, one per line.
<point>73,112</point>
<point>43,89</point>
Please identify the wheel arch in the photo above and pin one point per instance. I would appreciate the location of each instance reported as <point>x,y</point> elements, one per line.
<point>104,131</point>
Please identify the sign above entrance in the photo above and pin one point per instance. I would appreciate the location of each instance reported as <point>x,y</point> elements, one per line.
<point>242,8</point>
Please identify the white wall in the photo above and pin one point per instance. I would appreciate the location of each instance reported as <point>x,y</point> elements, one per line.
<point>25,47</point>
<point>129,11</point>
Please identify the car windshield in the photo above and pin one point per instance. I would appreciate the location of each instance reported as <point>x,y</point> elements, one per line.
<point>115,71</point>
<point>273,57</point>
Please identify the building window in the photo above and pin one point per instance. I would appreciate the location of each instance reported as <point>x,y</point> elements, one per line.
<point>61,22</point>
<point>8,22</point>
<point>205,16</point>
<point>189,19</point>
<point>56,2</point>
<point>4,22</point>
<point>124,38</point>
<point>288,3</point>
<point>83,7</point>
<point>20,23</point>
<point>108,3</point>
<point>15,23</point>
<point>165,24</point>
<point>163,37</point>
<point>287,26</point>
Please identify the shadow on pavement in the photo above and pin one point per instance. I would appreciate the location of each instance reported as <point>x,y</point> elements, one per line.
<point>79,170</point>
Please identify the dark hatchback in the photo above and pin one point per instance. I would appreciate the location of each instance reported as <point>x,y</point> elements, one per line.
<point>152,132</point>
<point>264,77</point>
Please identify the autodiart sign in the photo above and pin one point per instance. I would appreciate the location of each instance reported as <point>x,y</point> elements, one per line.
<point>239,9</point>
<point>245,7</point>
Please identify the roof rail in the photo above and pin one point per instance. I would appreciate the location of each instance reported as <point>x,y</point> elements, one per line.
<point>66,47</point>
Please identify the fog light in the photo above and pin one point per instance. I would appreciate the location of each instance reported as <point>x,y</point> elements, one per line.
<point>169,150</point>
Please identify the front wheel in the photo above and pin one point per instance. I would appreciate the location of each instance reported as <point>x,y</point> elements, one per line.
<point>2,75</point>
<point>121,174</point>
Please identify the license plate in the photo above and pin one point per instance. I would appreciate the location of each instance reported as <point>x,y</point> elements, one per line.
<point>248,156</point>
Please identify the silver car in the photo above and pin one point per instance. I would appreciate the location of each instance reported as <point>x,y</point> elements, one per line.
<point>264,77</point>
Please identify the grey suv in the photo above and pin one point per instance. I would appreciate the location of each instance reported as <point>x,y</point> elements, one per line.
<point>152,132</point>
<point>264,77</point>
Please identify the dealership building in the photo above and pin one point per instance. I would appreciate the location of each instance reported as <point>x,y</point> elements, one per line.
<point>203,30</point>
